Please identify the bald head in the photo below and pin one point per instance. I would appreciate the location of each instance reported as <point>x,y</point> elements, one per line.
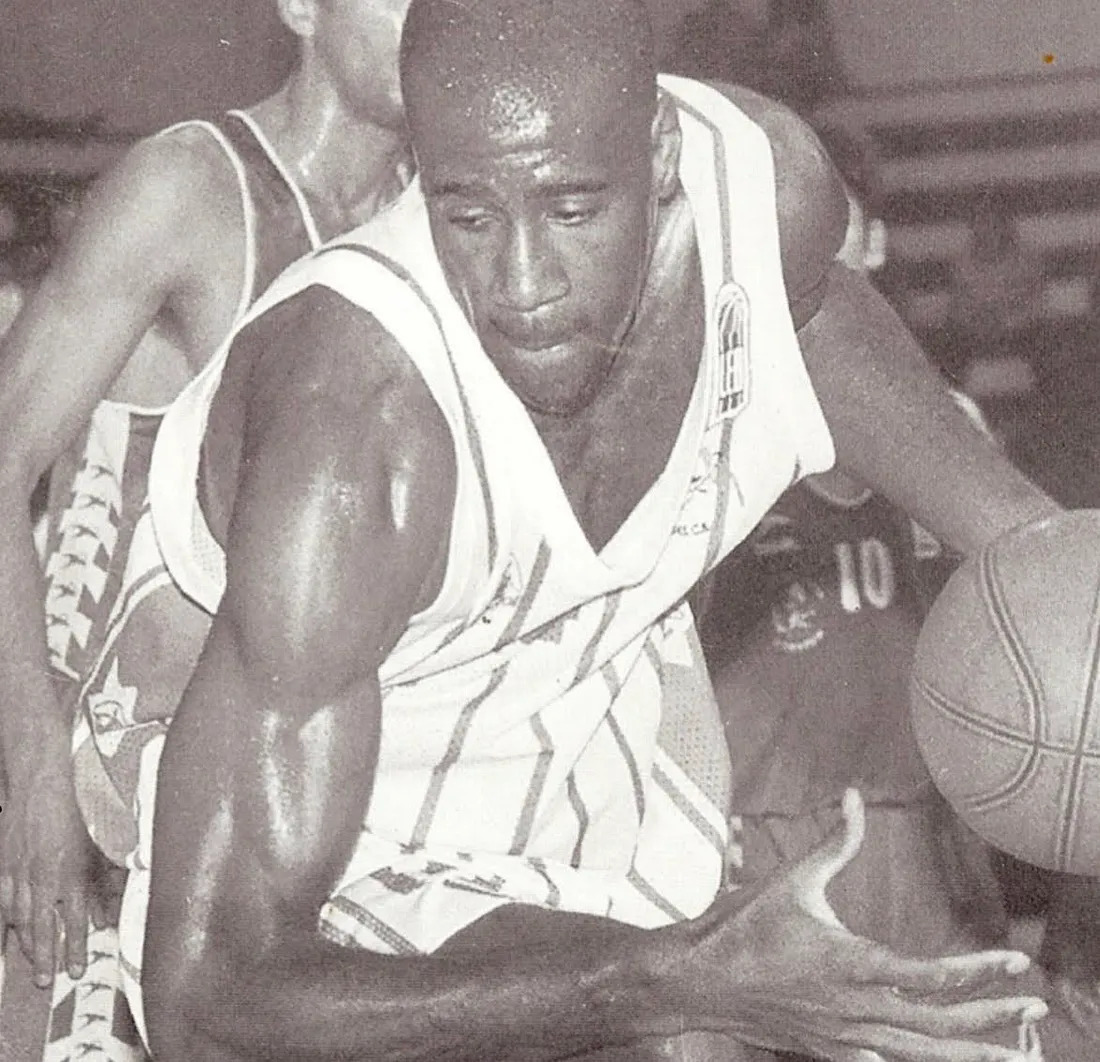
<point>515,67</point>
<point>544,156</point>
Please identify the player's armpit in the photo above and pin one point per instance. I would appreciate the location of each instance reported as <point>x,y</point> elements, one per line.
<point>896,427</point>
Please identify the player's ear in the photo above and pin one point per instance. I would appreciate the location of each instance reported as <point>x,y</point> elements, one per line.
<point>666,147</point>
<point>299,16</point>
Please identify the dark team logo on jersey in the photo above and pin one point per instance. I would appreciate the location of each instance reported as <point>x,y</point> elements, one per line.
<point>732,329</point>
<point>795,616</point>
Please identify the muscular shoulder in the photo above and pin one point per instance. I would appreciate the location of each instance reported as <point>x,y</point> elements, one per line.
<point>347,475</point>
<point>810,199</point>
<point>319,349</point>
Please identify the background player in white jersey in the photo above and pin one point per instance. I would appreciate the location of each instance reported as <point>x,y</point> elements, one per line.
<point>175,240</point>
<point>343,470</point>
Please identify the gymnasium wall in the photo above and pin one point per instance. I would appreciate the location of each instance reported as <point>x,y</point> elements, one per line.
<point>965,101</point>
<point>997,102</point>
<point>136,64</point>
<point>888,43</point>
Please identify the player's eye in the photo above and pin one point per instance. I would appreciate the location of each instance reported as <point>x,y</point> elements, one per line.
<point>573,212</point>
<point>469,219</point>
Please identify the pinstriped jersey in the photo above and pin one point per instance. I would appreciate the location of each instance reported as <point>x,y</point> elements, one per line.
<point>122,640</point>
<point>549,734</point>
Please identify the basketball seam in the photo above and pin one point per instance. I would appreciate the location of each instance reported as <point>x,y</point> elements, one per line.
<point>1069,825</point>
<point>997,609</point>
<point>986,728</point>
<point>992,728</point>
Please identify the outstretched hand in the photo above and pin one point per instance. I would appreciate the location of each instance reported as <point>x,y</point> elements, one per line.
<point>776,968</point>
<point>45,875</point>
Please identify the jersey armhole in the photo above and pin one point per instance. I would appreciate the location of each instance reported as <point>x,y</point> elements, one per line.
<point>248,208</point>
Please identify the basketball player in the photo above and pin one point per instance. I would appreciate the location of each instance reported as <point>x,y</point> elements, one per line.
<point>451,700</point>
<point>809,635</point>
<point>173,245</point>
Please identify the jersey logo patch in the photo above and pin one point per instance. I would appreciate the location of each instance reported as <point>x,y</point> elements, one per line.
<point>732,329</point>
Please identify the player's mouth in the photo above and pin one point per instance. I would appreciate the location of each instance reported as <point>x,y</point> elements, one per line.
<point>532,338</point>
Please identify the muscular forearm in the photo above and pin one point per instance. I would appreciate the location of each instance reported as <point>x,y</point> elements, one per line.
<point>34,734</point>
<point>896,427</point>
<point>596,984</point>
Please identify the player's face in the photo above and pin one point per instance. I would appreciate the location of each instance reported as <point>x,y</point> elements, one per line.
<point>359,41</point>
<point>542,227</point>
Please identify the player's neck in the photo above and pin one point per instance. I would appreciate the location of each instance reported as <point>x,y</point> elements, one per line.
<point>347,167</point>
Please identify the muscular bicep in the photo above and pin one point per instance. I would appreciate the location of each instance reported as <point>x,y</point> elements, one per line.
<point>897,427</point>
<point>341,509</point>
<point>83,321</point>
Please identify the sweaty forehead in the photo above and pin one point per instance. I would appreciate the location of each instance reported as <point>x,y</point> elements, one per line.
<point>478,69</point>
<point>516,110</point>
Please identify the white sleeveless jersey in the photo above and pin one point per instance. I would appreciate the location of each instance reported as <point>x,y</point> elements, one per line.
<point>549,734</point>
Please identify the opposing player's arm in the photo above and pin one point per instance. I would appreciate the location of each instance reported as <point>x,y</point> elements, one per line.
<point>131,249</point>
<point>127,253</point>
<point>891,415</point>
<point>69,343</point>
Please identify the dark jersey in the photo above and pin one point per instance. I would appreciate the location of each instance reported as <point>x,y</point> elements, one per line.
<point>809,630</point>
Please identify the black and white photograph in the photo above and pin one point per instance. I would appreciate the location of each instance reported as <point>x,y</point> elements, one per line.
<point>543,530</point>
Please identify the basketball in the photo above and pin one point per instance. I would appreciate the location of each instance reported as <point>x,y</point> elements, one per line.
<point>1005,697</point>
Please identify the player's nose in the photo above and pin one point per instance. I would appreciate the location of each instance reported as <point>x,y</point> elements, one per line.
<point>529,274</point>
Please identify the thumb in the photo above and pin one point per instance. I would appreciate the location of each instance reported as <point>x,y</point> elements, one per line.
<point>830,857</point>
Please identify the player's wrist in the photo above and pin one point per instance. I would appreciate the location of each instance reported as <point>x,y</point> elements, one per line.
<point>685,992</point>
<point>646,994</point>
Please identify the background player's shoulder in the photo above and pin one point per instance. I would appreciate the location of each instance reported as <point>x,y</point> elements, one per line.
<point>182,180</point>
<point>158,223</point>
